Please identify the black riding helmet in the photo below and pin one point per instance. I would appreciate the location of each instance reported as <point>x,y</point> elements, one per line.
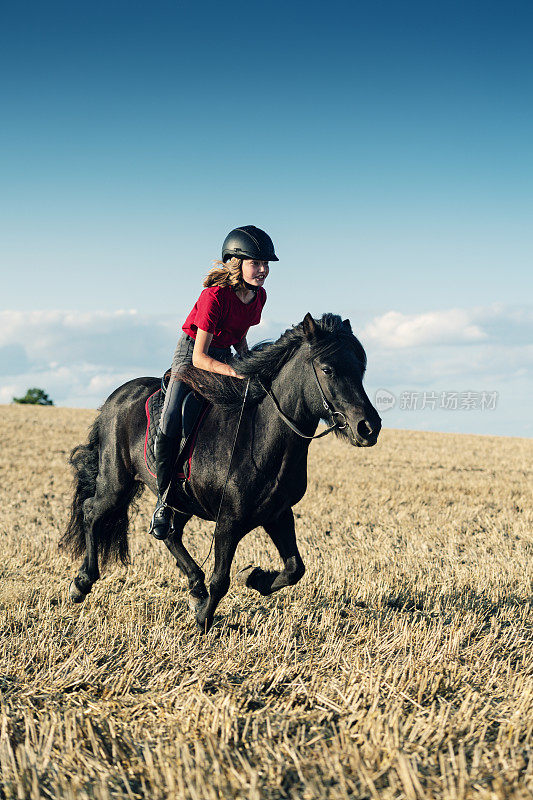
<point>248,242</point>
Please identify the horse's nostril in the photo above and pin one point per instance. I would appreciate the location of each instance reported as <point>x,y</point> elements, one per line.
<point>364,429</point>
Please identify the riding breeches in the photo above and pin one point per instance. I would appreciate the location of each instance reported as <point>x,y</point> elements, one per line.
<point>170,422</point>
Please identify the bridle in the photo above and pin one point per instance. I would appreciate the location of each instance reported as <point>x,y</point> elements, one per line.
<point>327,407</point>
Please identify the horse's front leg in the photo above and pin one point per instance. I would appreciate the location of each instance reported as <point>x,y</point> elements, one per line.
<point>227,538</point>
<point>281,531</point>
<point>186,563</point>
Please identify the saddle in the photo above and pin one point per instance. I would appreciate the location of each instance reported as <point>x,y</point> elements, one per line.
<point>193,410</point>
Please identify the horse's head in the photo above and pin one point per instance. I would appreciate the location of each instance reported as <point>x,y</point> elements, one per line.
<point>337,361</point>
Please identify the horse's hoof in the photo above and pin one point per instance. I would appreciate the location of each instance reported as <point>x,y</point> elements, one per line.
<point>203,624</point>
<point>202,627</point>
<point>244,575</point>
<point>197,604</point>
<point>75,594</point>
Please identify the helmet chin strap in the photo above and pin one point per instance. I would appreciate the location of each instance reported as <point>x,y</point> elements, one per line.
<point>249,286</point>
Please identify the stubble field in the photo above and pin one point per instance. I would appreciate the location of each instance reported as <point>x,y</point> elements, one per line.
<point>400,666</point>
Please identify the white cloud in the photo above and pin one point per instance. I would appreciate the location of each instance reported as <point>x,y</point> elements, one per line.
<point>80,358</point>
<point>451,327</point>
<point>494,343</point>
<point>483,349</point>
<point>104,338</point>
<point>394,329</point>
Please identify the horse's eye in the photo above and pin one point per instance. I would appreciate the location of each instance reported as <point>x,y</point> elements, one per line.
<point>327,370</point>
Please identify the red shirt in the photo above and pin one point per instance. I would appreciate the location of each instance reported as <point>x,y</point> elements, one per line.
<point>219,311</point>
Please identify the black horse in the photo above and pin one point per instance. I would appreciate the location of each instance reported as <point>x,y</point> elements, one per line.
<point>314,371</point>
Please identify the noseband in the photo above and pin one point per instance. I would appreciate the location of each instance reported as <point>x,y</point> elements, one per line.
<point>327,407</point>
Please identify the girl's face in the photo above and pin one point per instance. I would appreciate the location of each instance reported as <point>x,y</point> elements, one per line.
<point>254,272</point>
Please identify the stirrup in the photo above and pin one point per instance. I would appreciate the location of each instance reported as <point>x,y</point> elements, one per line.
<point>162,522</point>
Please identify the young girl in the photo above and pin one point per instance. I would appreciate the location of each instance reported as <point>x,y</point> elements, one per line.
<point>229,305</point>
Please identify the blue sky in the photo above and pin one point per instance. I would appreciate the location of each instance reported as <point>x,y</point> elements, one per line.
<point>385,147</point>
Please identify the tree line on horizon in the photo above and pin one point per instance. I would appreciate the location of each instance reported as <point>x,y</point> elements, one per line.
<point>36,397</point>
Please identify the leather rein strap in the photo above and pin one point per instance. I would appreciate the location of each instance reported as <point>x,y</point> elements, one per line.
<point>327,406</point>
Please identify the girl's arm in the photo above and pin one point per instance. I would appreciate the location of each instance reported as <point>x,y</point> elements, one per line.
<point>242,346</point>
<point>202,360</point>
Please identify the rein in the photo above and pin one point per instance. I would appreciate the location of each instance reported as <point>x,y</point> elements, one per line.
<point>327,406</point>
<point>227,473</point>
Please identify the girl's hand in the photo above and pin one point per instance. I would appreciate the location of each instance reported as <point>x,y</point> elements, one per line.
<point>235,374</point>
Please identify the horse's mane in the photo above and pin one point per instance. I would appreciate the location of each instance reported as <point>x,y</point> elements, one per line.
<point>265,360</point>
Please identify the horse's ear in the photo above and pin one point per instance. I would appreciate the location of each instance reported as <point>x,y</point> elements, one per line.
<point>309,326</point>
<point>347,324</point>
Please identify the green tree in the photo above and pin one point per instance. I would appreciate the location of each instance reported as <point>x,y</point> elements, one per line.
<point>36,397</point>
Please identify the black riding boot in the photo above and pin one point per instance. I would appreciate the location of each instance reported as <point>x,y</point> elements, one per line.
<point>166,450</point>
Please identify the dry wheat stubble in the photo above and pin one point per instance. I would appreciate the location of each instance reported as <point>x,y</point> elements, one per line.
<point>400,666</point>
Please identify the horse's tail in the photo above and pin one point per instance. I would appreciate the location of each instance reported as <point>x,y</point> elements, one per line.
<point>110,528</point>
<point>84,461</point>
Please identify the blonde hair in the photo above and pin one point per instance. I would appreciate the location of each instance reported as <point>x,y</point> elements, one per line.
<point>226,274</point>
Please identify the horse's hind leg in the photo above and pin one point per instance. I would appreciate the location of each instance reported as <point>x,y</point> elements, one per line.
<point>281,531</point>
<point>88,572</point>
<point>186,562</point>
<point>105,521</point>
